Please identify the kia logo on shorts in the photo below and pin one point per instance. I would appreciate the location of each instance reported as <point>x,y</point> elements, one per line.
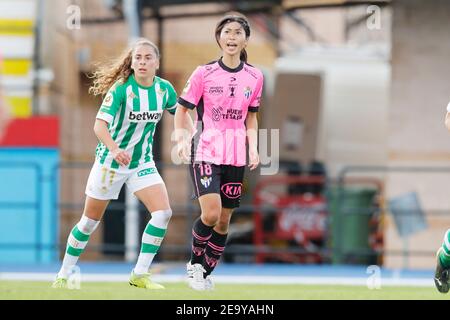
<point>232,190</point>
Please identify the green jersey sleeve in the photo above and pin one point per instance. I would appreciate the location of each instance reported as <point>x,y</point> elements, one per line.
<point>111,103</point>
<point>171,104</point>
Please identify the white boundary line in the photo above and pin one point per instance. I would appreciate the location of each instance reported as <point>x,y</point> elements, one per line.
<point>229,279</point>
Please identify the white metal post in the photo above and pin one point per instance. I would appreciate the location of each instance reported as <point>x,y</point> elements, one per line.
<point>131,227</point>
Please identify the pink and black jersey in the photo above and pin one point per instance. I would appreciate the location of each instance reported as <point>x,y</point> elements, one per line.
<point>223,97</point>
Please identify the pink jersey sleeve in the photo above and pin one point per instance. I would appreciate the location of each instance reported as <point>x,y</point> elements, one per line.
<point>193,90</point>
<point>256,98</point>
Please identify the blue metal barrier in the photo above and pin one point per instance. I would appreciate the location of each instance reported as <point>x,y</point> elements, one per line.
<point>28,220</point>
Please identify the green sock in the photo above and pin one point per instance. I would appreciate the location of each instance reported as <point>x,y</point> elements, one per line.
<point>151,241</point>
<point>75,246</point>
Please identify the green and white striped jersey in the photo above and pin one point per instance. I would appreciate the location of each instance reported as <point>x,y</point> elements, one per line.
<point>132,112</point>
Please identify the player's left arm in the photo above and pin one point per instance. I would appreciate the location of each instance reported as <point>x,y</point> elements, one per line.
<point>251,123</point>
<point>171,105</point>
<point>447,121</point>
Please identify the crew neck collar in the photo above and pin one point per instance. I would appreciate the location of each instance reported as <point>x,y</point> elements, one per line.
<point>224,67</point>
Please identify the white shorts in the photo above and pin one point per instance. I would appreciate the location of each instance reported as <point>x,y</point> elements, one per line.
<point>105,183</point>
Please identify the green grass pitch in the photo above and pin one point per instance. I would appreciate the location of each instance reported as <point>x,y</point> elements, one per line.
<point>18,290</point>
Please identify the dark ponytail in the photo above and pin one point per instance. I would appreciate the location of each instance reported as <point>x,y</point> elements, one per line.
<point>243,55</point>
<point>234,17</point>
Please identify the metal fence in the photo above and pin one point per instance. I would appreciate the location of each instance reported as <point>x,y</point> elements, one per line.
<point>336,223</point>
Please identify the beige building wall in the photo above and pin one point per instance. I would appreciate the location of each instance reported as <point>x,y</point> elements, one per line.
<point>329,27</point>
<point>417,135</point>
<point>418,33</point>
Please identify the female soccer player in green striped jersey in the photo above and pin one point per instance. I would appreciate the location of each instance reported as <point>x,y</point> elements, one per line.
<point>134,103</point>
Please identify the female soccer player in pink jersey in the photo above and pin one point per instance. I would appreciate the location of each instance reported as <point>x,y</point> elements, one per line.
<point>226,95</point>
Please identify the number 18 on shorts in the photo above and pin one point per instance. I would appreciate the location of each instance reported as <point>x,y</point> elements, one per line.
<point>225,180</point>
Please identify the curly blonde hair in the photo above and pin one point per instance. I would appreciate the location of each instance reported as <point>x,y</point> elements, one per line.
<point>118,70</point>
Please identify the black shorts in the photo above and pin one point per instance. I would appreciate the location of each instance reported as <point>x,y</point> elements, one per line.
<point>225,180</point>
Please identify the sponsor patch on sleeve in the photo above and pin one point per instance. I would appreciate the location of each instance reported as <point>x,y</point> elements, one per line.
<point>186,87</point>
<point>107,102</point>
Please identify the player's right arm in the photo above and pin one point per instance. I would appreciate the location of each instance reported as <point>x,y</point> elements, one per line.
<point>184,128</point>
<point>110,105</point>
<point>102,132</point>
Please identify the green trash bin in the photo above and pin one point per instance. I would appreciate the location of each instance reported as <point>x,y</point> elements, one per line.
<point>350,211</point>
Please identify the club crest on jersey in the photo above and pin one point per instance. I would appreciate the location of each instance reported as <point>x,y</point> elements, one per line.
<point>206,181</point>
<point>161,92</point>
<point>144,116</point>
<point>247,92</point>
